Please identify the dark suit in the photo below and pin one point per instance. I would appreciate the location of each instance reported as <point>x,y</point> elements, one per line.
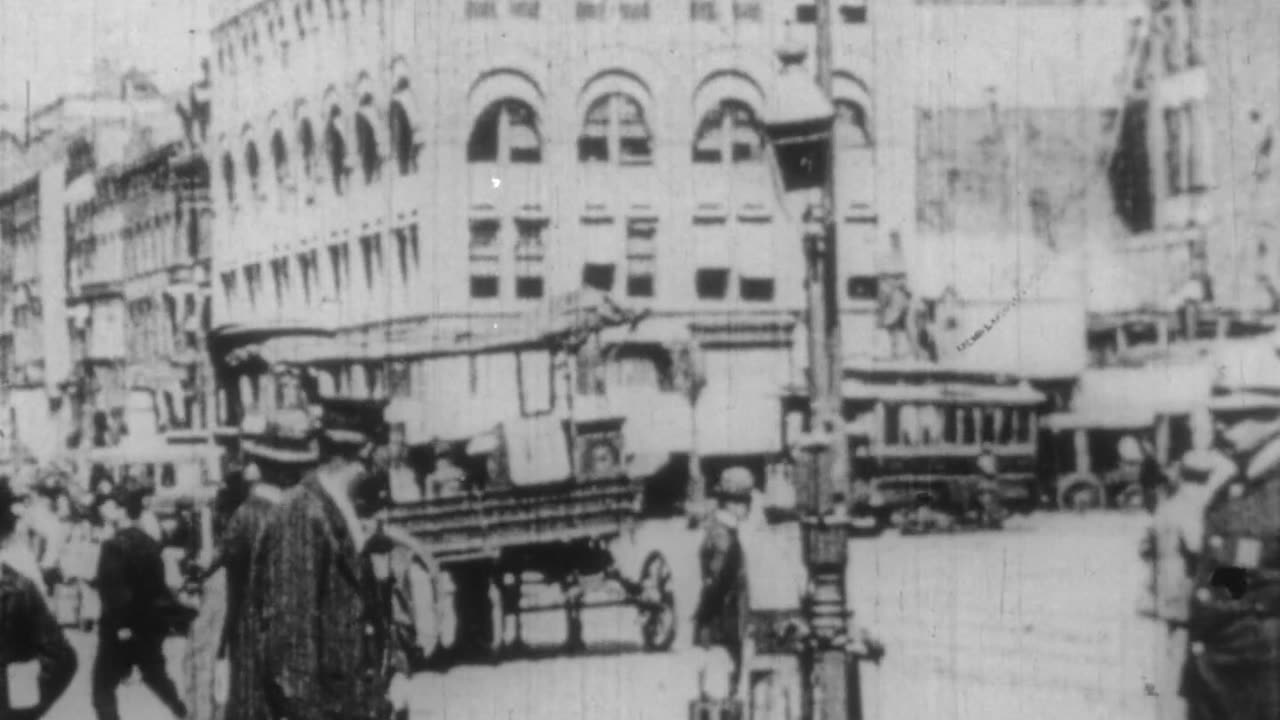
<point>722,606</point>
<point>239,643</point>
<point>1233,669</point>
<point>28,631</point>
<point>327,653</point>
<point>135,598</point>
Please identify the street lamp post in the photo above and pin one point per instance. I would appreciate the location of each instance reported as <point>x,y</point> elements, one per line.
<point>799,124</point>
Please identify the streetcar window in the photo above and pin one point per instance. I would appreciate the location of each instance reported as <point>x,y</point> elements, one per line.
<point>1008,426</point>
<point>931,423</point>
<point>951,426</point>
<point>1024,425</point>
<point>988,425</point>
<point>909,424</point>
<point>891,424</point>
<point>969,428</point>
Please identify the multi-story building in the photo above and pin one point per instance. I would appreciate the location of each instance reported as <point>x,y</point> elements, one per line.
<point>422,167</point>
<point>137,273</point>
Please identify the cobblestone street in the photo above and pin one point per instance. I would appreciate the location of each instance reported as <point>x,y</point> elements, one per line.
<point>1036,621</point>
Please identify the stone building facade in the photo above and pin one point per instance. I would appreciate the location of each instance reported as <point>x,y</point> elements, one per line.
<point>138,268</point>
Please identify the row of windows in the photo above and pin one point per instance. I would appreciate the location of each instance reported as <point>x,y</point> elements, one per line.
<point>614,130</point>
<point>243,39</point>
<point>312,276</point>
<point>928,424</point>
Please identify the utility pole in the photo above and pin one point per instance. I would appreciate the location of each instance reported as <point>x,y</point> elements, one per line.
<point>833,686</point>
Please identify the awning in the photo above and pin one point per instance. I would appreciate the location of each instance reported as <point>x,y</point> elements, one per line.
<point>655,331</point>
<point>226,338</point>
<point>1117,418</point>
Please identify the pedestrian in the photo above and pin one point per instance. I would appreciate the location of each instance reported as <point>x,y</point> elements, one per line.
<point>138,612</point>
<point>991,512</point>
<point>1233,667</point>
<point>271,462</point>
<point>1169,547</point>
<point>721,615</point>
<point>327,635</point>
<point>36,661</point>
<point>447,479</point>
<point>1152,479</point>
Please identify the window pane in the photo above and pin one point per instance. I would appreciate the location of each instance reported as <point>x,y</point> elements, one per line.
<point>709,139</point>
<point>525,142</point>
<point>851,129</point>
<point>483,145</point>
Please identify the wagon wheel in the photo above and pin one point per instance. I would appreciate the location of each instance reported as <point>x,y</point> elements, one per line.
<point>1130,498</point>
<point>1082,496</point>
<point>658,611</point>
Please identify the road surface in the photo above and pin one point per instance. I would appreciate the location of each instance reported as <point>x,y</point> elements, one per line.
<point>1036,621</point>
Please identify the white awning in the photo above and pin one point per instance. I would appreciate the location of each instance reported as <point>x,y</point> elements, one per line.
<point>943,393</point>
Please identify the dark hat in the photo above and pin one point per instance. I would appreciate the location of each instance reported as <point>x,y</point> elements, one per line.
<point>353,422</point>
<point>7,500</point>
<point>130,493</point>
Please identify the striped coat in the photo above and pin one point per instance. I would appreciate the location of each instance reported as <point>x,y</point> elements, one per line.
<point>327,652</point>
<point>239,640</point>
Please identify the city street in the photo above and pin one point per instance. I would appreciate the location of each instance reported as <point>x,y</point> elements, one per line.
<point>1036,621</point>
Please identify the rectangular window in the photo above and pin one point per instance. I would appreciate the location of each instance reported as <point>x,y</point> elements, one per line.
<point>711,283</point>
<point>340,263</point>
<point>529,287</point>
<point>527,9</point>
<point>807,13</point>
<point>484,287</point>
<point>756,289</point>
<point>641,257</point>
<point>892,426</point>
<point>598,276</point>
<point>863,287</point>
<point>280,277</point>
<point>747,11</point>
<point>229,294</point>
<point>484,239</point>
<point>371,248</point>
<point>407,250</point>
<point>854,13</point>
<point>253,283</point>
<point>306,261</point>
<point>482,9</point>
<point>702,10</point>
<point>590,10</point>
<point>634,10</point>
<point>529,245</point>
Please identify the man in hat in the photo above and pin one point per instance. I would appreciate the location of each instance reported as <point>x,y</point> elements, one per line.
<point>721,615</point>
<point>272,457</point>
<point>29,633</point>
<point>138,611</point>
<point>1233,668</point>
<point>327,635</point>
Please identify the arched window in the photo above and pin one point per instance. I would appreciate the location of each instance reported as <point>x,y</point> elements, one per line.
<point>402,141</point>
<point>229,177</point>
<point>367,141</point>
<point>852,125</point>
<point>280,158</point>
<point>507,131</point>
<point>729,132</point>
<point>615,128</point>
<point>336,148</point>
<point>307,147</point>
<point>251,165</point>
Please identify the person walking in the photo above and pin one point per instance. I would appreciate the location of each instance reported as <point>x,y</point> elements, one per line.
<point>328,650</point>
<point>1233,666</point>
<point>30,638</point>
<point>721,615</point>
<point>138,609</point>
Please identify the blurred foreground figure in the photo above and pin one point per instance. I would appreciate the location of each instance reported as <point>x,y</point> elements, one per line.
<point>36,661</point>
<point>327,635</point>
<point>138,612</point>
<point>1233,668</point>
<point>1170,547</point>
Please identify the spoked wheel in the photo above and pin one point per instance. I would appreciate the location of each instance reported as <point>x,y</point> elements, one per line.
<point>1083,497</point>
<point>658,603</point>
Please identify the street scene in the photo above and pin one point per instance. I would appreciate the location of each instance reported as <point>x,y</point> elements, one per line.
<point>720,359</point>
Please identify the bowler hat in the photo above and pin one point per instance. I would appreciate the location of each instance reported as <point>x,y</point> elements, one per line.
<point>736,483</point>
<point>353,422</point>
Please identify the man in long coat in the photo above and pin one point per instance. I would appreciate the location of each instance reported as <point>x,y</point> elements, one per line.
<point>327,636</point>
<point>273,458</point>
<point>1233,667</point>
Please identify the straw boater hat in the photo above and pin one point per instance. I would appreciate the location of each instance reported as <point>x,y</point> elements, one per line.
<point>354,423</point>
<point>736,483</point>
<point>287,437</point>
